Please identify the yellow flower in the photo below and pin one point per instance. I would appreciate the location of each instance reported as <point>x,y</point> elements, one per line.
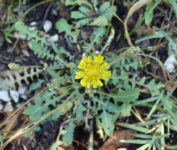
<point>93,71</point>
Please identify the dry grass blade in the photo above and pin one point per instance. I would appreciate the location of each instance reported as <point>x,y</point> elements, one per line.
<point>114,141</point>
<point>132,10</point>
<point>29,126</point>
<point>10,125</point>
<point>138,116</point>
<point>12,118</point>
<point>19,110</point>
<point>21,131</point>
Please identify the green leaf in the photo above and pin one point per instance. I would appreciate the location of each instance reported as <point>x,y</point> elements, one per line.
<point>149,13</point>
<point>111,107</point>
<point>145,146</point>
<point>98,33</point>
<point>36,43</point>
<point>77,2</point>
<point>137,141</point>
<point>14,66</point>
<point>75,35</point>
<point>107,10</point>
<point>125,110</point>
<point>62,25</point>
<point>83,22</point>
<point>134,127</point>
<point>68,136</point>
<point>23,29</point>
<point>174,5</point>
<point>65,107</point>
<point>79,112</point>
<point>157,34</point>
<point>153,87</point>
<point>56,115</point>
<point>1,138</point>
<point>6,84</point>
<point>149,10</point>
<point>129,95</point>
<point>30,109</point>
<point>109,13</point>
<point>38,112</point>
<point>36,85</point>
<point>36,46</point>
<point>107,123</point>
<point>77,15</point>
<point>95,3</point>
<point>104,6</point>
<point>101,21</point>
<point>84,10</point>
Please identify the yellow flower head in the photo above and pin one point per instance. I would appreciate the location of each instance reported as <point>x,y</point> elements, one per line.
<point>93,71</point>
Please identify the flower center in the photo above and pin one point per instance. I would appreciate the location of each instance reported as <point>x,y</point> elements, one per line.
<point>93,72</point>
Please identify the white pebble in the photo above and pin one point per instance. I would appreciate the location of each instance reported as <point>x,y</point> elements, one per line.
<point>54,12</point>
<point>19,105</point>
<point>20,36</point>
<point>60,148</point>
<point>22,90</point>
<point>14,95</point>
<point>54,38</point>
<point>4,96</point>
<point>47,26</point>
<point>32,28</point>
<point>26,53</point>
<point>33,25</point>
<point>24,96</point>
<point>169,63</point>
<point>1,106</point>
<point>121,149</point>
<point>8,107</point>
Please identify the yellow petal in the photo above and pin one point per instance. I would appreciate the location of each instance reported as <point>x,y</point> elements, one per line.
<point>99,83</point>
<point>98,59</point>
<point>79,75</point>
<point>83,82</point>
<point>105,65</point>
<point>82,64</point>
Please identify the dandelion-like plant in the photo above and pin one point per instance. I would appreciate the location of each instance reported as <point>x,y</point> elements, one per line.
<point>93,70</point>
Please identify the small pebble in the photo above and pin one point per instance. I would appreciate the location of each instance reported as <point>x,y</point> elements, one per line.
<point>22,92</point>
<point>121,149</point>
<point>20,36</point>
<point>1,106</point>
<point>33,25</point>
<point>60,148</point>
<point>19,105</point>
<point>54,38</point>
<point>97,52</point>
<point>4,96</point>
<point>169,63</point>
<point>47,26</point>
<point>54,12</point>
<point>26,53</point>
<point>14,95</point>
<point>8,107</point>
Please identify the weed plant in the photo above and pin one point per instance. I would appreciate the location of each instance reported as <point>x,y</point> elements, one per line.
<point>130,89</point>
